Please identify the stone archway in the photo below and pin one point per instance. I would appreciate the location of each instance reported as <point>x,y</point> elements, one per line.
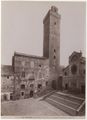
<point>66,86</point>
<point>31,93</point>
<point>22,94</point>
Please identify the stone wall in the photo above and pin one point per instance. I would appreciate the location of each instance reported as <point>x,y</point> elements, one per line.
<point>32,72</point>
<point>7,82</point>
<point>51,46</point>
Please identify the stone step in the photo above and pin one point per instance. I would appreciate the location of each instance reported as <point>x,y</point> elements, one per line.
<point>65,101</point>
<point>62,106</point>
<point>69,97</point>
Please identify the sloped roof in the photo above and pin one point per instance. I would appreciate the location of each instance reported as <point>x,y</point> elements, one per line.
<point>30,56</point>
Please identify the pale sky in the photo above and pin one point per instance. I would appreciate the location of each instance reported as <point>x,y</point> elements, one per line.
<point>22,28</point>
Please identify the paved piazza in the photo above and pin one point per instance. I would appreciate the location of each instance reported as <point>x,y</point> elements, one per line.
<point>30,107</point>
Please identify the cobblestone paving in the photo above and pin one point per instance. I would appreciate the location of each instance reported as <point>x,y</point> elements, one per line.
<point>30,107</point>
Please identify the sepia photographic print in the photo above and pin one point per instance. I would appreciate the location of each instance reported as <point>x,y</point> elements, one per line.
<point>43,59</point>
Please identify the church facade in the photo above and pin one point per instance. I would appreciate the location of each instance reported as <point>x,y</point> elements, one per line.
<point>74,73</point>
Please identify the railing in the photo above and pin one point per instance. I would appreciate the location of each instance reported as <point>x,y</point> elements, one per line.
<point>80,107</point>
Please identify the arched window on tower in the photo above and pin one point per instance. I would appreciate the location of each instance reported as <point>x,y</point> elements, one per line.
<point>54,57</point>
<point>54,23</point>
<point>54,51</point>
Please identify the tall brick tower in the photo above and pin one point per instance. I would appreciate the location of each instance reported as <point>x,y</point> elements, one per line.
<point>51,45</point>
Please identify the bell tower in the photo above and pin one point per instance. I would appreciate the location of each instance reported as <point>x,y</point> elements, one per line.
<point>51,45</point>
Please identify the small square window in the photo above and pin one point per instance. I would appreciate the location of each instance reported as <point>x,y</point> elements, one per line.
<point>22,86</point>
<point>7,77</point>
<point>39,85</point>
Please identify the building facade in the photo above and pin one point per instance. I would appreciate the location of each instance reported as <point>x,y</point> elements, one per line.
<point>74,73</point>
<point>31,74</point>
<point>7,82</point>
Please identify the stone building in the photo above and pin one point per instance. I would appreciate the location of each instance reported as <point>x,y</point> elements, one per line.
<point>7,82</point>
<point>74,73</point>
<point>30,75</point>
<point>33,74</point>
<point>51,45</point>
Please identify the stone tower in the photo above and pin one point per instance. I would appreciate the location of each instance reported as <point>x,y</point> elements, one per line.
<point>51,45</point>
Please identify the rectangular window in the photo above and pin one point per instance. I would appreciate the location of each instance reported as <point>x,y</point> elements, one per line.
<point>54,57</point>
<point>23,74</point>
<point>7,77</point>
<point>22,93</point>
<point>22,86</point>
<point>54,50</point>
<point>39,86</point>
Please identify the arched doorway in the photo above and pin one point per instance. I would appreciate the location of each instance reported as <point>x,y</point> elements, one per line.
<point>11,96</point>
<point>54,84</point>
<point>60,80</point>
<point>31,93</point>
<point>22,94</point>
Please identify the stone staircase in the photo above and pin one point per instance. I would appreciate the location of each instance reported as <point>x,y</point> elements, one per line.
<point>66,102</point>
<point>45,92</point>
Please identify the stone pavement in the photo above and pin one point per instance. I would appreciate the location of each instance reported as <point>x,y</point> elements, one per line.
<point>30,107</point>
